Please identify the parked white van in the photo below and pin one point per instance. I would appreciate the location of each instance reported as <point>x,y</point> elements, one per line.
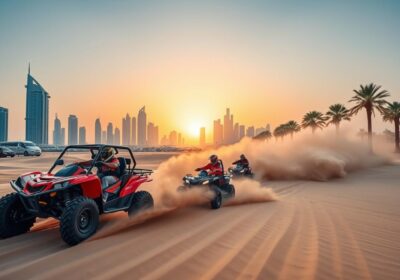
<point>26,148</point>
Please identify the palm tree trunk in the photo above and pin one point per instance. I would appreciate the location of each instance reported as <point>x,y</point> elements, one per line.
<point>313,130</point>
<point>337,129</point>
<point>397,136</point>
<point>369,118</point>
<point>291,135</point>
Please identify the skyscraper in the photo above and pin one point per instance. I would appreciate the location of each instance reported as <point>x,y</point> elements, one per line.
<point>37,112</point>
<point>173,138</point>
<point>72,130</point>
<point>110,134</point>
<point>218,133</point>
<point>202,141</point>
<point>3,124</point>
<point>62,138</point>
<point>117,137</point>
<point>126,130</point>
<point>142,122</point>
<point>82,135</point>
<point>57,132</point>
<point>250,131</point>
<point>97,131</point>
<point>228,127</point>
<point>152,134</point>
<point>236,133</point>
<point>242,129</point>
<point>133,138</point>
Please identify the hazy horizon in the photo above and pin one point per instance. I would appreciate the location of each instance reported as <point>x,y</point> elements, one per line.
<point>186,61</point>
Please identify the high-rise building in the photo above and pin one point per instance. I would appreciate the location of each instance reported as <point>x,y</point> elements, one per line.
<point>250,131</point>
<point>117,136</point>
<point>57,132</point>
<point>133,138</point>
<point>218,133</point>
<point>82,135</point>
<point>202,141</point>
<point>126,130</point>
<point>236,133</point>
<point>173,138</point>
<point>72,130</point>
<point>104,137</point>
<point>228,127</point>
<point>37,112</point>
<point>3,124</point>
<point>142,126</point>
<point>62,138</point>
<point>97,132</point>
<point>152,134</point>
<point>242,130</point>
<point>110,134</point>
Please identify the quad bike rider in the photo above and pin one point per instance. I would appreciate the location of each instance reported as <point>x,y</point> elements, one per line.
<point>75,195</point>
<point>213,177</point>
<point>242,167</point>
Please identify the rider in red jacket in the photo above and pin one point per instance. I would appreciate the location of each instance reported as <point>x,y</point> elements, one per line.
<point>214,167</point>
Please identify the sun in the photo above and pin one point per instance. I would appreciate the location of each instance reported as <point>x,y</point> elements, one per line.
<point>193,128</point>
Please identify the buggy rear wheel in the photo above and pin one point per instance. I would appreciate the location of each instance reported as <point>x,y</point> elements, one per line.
<point>79,220</point>
<point>141,201</point>
<point>14,219</point>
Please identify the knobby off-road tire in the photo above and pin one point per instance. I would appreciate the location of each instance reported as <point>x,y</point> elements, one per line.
<point>216,202</point>
<point>14,219</point>
<point>79,220</point>
<point>141,201</point>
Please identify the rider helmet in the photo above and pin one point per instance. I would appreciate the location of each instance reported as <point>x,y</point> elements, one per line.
<point>107,153</point>
<point>213,159</point>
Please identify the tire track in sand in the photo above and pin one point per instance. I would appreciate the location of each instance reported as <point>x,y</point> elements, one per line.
<point>170,260</point>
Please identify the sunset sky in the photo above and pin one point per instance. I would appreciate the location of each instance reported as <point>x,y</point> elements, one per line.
<point>186,61</point>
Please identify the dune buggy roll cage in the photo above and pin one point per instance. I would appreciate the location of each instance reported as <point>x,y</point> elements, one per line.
<point>96,156</point>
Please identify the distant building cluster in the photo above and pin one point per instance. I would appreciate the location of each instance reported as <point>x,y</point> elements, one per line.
<point>229,132</point>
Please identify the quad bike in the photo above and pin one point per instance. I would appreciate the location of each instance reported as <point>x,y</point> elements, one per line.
<point>74,195</point>
<point>239,171</point>
<point>219,185</point>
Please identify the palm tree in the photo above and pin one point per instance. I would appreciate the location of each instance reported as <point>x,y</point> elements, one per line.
<point>392,114</point>
<point>280,131</point>
<point>264,136</point>
<point>292,127</point>
<point>314,120</point>
<point>336,114</point>
<point>370,97</point>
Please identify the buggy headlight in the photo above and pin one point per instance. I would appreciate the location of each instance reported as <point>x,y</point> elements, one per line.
<point>206,182</point>
<point>187,181</point>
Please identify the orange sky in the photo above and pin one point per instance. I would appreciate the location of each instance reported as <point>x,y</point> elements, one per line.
<point>186,61</point>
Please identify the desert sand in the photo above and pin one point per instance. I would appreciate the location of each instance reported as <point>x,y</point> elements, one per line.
<point>344,228</point>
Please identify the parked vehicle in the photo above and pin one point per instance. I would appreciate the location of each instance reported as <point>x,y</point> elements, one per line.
<point>6,152</point>
<point>26,148</point>
<point>74,194</point>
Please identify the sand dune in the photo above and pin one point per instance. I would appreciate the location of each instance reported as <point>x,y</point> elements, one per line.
<point>347,228</point>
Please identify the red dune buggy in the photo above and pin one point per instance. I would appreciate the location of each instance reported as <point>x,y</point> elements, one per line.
<point>74,194</point>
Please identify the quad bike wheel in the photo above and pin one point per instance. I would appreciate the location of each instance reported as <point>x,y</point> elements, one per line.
<point>216,202</point>
<point>14,219</point>
<point>141,201</point>
<point>79,220</point>
<point>230,189</point>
